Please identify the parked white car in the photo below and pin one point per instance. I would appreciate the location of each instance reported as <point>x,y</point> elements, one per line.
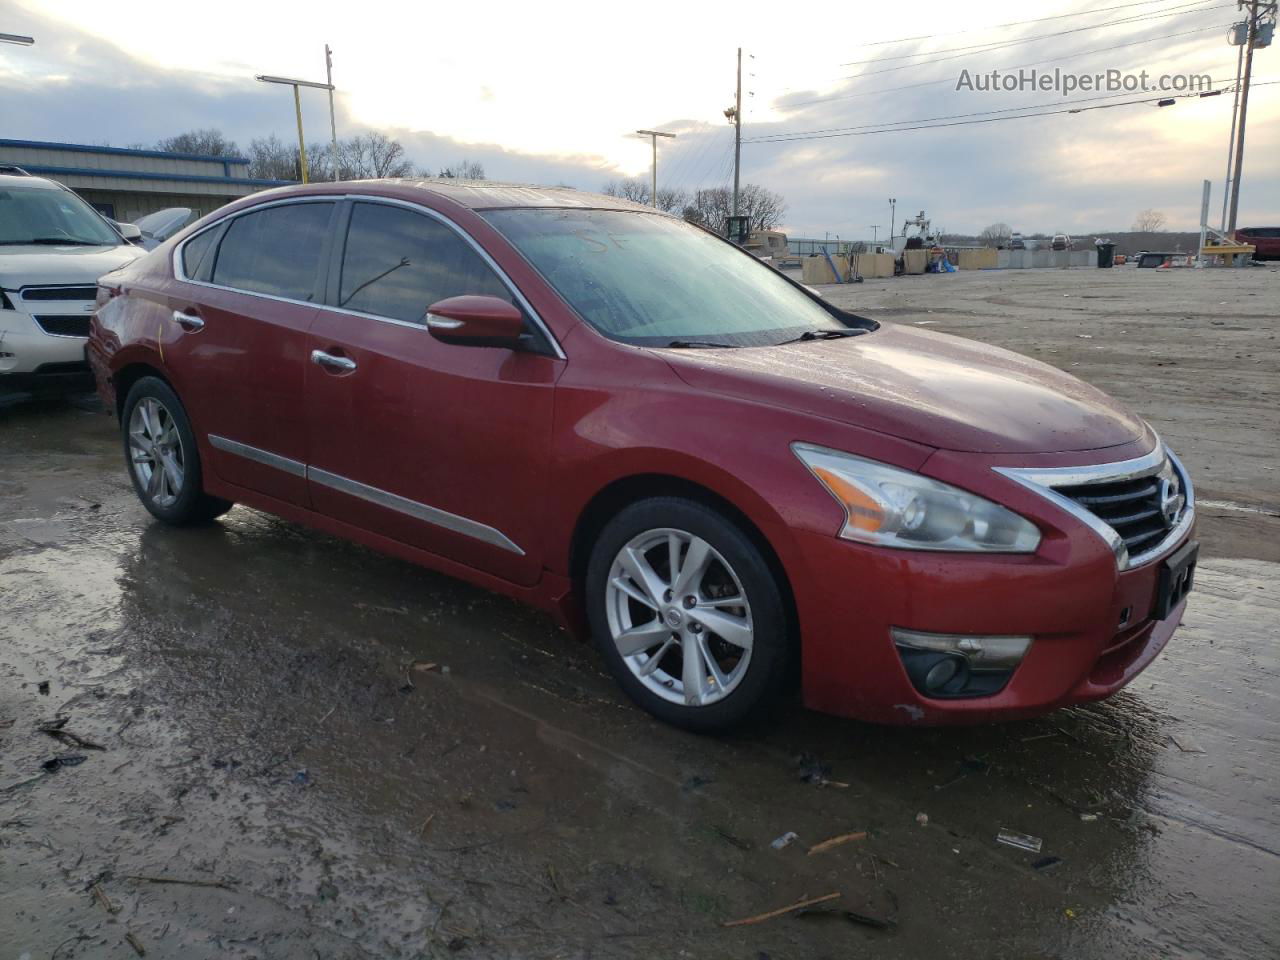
<point>53,249</point>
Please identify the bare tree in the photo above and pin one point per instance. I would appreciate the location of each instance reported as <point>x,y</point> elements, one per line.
<point>996,235</point>
<point>270,158</point>
<point>1149,221</point>
<point>711,207</point>
<point>464,170</point>
<point>635,189</point>
<point>209,142</point>
<point>638,190</point>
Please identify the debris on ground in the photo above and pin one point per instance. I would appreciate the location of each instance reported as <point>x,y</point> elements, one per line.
<point>812,770</point>
<point>54,764</point>
<point>859,918</point>
<point>103,899</point>
<point>1023,841</point>
<point>837,841</point>
<point>733,840</point>
<point>134,942</point>
<point>785,840</point>
<point>968,767</point>
<point>1088,817</point>
<point>922,819</point>
<point>43,687</point>
<point>54,728</point>
<point>1185,743</point>
<point>1044,863</point>
<point>781,911</point>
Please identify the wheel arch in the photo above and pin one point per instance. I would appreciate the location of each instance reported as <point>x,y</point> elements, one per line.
<point>129,374</point>
<point>626,490</point>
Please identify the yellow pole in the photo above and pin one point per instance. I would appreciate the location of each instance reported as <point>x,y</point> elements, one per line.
<point>302,145</point>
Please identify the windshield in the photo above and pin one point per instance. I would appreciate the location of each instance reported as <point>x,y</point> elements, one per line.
<point>52,217</point>
<point>657,281</point>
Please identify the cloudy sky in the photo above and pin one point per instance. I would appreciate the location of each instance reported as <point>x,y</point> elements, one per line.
<point>550,92</point>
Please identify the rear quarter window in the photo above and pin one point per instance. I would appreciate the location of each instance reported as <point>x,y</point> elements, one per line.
<point>196,261</point>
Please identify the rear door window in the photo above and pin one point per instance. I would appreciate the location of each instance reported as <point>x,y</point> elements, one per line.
<point>396,263</point>
<point>276,251</point>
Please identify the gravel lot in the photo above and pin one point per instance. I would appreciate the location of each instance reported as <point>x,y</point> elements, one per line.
<point>280,745</point>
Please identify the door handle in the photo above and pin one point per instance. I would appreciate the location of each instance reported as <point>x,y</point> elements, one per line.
<point>330,362</point>
<point>188,321</point>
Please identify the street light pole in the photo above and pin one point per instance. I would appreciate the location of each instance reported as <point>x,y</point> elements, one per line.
<point>893,203</point>
<point>333,124</point>
<point>16,38</point>
<point>297,106</point>
<point>653,136</point>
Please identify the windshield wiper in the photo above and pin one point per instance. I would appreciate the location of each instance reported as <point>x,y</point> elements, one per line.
<point>823,335</point>
<point>55,242</point>
<point>686,344</point>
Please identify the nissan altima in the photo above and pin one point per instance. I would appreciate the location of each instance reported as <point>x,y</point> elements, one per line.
<point>616,416</point>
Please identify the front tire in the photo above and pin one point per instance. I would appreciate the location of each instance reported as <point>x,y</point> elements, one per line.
<point>162,457</point>
<point>687,614</point>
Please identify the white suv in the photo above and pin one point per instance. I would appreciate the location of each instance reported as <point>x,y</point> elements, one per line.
<point>53,249</point>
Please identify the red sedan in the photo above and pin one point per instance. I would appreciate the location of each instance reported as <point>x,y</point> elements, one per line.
<point>627,421</point>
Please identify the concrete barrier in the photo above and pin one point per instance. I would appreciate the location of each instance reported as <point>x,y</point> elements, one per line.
<point>817,270</point>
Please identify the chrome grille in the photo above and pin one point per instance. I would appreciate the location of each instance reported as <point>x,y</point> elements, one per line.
<point>1132,508</point>
<point>1140,507</point>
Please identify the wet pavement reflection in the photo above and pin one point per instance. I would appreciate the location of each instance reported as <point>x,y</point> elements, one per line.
<point>313,750</point>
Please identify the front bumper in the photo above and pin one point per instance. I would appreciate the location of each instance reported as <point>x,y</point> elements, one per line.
<point>1071,598</point>
<point>26,349</point>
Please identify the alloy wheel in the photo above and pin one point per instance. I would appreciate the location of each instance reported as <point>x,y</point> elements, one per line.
<point>155,452</point>
<point>679,617</point>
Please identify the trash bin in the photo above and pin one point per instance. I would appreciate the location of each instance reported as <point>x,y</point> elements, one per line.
<point>1106,254</point>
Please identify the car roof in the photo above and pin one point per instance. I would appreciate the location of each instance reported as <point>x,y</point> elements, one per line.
<point>26,180</point>
<point>473,194</point>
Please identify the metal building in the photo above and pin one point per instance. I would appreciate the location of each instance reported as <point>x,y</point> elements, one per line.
<point>127,184</point>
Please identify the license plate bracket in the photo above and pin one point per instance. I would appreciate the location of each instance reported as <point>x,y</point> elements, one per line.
<point>1177,575</point>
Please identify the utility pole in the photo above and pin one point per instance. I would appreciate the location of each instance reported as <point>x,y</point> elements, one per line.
<point>333,124</point>
<point>875,233</point>
<point>1235,115</point>
<point>653,136</point>
<point>1244,112</point>
<point>737,128</point>
<point>893,203</point>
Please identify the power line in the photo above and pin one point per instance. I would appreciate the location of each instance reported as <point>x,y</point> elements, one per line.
<point>766,138</point>
<point>1034,63</point>
<point>1186,9</point>
<point>965,123</point>
<point>1014,23</point>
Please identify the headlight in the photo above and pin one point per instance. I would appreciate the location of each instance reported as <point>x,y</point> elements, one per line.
<point>897,508</point>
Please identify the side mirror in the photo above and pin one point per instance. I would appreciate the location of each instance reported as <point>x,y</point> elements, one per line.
<point>130,232</point>
<point>476,322</point>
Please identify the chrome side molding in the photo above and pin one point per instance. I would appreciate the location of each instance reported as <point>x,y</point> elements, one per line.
<point>382,498</point>
<point>265,457</point>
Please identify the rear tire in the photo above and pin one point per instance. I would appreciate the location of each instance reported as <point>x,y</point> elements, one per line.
<point>162,457</point>
<point>704,649</point>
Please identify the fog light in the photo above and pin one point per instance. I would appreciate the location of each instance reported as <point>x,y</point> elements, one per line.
<point>940,673</point>
<point>948,665</point>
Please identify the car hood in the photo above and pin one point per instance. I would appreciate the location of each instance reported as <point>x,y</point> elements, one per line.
<point>943,391</point>
<point>29,265</point>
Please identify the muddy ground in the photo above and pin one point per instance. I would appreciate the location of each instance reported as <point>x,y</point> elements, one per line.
<point>258,759</point>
